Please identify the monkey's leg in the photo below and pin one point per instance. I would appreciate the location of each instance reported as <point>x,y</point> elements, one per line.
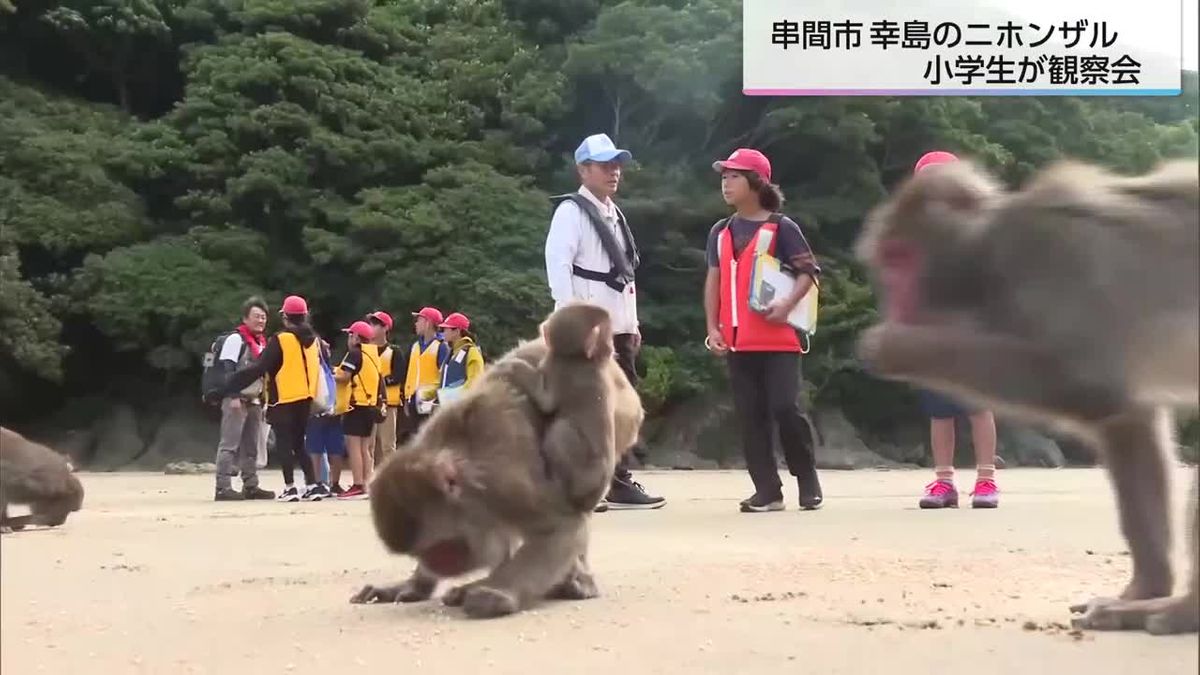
<point>1160,615</point>
<point>579,584</point>
<point>540,563</point>
<point>418,587</point>
<point>1135,456</point>
<point>997,367</point>
<point>20,522</point>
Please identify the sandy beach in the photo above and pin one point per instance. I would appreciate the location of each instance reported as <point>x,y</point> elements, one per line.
<point>153,577</point>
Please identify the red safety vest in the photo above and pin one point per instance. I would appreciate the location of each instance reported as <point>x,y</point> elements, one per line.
<point>742,328</point>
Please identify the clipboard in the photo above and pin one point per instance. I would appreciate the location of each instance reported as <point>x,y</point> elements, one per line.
<point>768,280</point>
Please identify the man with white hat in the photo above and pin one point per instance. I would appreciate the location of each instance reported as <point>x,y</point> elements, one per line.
<point>591,256</point>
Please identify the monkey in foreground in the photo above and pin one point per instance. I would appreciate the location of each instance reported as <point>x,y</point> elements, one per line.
<point>571,385</point>
<point>1073,303</point>
<point>472,491</point>
<point>32,474</point>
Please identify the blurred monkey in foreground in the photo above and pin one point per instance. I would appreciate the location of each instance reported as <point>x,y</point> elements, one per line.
<point>1072,302</point>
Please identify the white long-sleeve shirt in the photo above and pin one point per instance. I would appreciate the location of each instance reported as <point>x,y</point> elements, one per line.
<point>572,240</point>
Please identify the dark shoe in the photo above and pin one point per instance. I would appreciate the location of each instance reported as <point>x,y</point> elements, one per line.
<point>810,492</point>
<point>336,490</point>
<point>626,495</point>
<point>316,493</point>
<point>601,507</point>
<point>257,493</point>
<point>758,503</point>
<point>227,495</point>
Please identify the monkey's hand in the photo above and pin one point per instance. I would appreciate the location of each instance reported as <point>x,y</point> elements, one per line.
<point>1158,616</point>
<point>579,585</point>
<point>413,590</point>
<point>528,380</point>
<point>484,602</point>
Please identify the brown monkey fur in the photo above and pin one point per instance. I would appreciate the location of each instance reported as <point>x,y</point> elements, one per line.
<point>571,385</point>
<point>1071,302</point>
<point>472,491</point>
<point>32,474</point>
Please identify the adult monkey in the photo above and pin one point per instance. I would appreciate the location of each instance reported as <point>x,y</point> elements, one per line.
<point>473,484</point>
<point>591,256</point>
<point>1071,302</point>
<point>31,473</point>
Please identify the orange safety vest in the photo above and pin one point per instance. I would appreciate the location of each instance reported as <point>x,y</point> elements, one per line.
<point>742,328</point>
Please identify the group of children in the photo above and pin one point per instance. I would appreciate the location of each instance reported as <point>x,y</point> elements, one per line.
<point>383,394</point>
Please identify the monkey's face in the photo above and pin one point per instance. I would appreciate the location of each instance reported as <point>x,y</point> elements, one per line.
<point>419,510</point>
<point>920,245</point>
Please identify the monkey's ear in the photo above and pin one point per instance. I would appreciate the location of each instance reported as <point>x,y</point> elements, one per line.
<point>444,469</point>
<point>591,344</point>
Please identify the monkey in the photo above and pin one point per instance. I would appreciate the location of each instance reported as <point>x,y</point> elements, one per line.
<point>471,491</point>
<point>31,473</point>
<point>1071,302</point>
<point>571,384</point>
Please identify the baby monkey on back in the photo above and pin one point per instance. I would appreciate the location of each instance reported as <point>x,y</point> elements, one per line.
<point>572,386</point>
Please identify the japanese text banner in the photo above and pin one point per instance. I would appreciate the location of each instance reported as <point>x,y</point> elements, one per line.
<point>965,48</point>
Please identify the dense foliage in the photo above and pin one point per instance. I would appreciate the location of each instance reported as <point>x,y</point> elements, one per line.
<point>162,159</point>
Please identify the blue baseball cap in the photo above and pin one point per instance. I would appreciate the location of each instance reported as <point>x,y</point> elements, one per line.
<point>600,148</point>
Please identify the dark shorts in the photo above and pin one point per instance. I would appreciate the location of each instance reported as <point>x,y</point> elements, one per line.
<point>359,422</point>
<point>324,436</point>
<point>940,406</point>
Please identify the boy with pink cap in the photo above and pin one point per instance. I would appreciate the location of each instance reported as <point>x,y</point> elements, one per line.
<point>425,360</point>
<point>943,411</point>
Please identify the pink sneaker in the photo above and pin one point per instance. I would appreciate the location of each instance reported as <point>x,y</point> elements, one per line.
<point>986,495</point>
<point>940,494</point>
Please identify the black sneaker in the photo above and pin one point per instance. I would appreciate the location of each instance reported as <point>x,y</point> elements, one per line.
<point>257,493</point>
<point>758,503</point>
<point>289,495</point>
<point>336,490</point>
<point>627,495</point>
<point>810,492</point>
<point>227,495</point>
<point>316,493</point>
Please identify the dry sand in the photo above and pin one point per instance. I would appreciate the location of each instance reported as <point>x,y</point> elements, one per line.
<point>152,577</point>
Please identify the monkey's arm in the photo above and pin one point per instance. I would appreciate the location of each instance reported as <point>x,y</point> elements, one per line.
<point>267,363</point>
<point>529,380</point>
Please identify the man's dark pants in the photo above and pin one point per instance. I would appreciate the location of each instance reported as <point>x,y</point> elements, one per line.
<point>626,348</point>
<point>766,394</point>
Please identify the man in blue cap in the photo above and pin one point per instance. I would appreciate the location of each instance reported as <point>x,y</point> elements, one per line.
<point>591,256</point>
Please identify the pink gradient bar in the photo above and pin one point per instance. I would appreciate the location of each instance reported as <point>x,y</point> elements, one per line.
<point>961,92</point>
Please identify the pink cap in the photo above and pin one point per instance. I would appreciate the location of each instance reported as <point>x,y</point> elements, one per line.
<point>935,157</point>
<point>456,320</point>
<point>383,318</point>
<point>431,313</point>
<point>362,329</point>
<point>746,159</point>
<point>294,304</point>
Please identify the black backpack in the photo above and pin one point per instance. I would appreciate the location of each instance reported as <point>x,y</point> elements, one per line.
<point>215,373</point>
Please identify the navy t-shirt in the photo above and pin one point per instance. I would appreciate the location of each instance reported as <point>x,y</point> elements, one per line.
<point>790,245</point>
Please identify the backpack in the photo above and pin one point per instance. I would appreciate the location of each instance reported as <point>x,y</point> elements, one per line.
<point>326,397</point>
<point>214,375</point>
